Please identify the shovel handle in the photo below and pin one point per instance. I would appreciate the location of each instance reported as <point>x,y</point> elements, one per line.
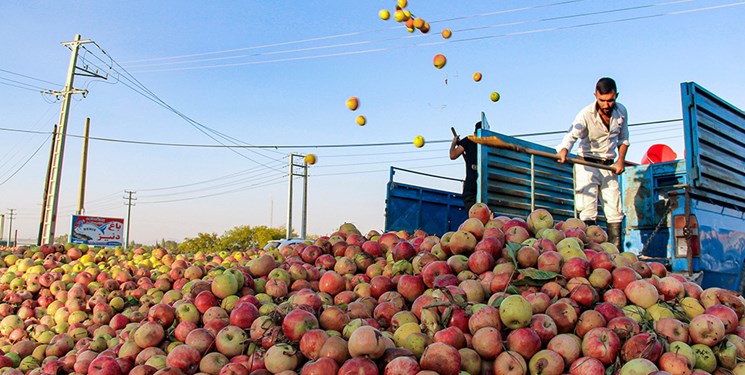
<point>571,160</point>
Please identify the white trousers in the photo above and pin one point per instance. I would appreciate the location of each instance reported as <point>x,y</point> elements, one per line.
<point>587,182</point>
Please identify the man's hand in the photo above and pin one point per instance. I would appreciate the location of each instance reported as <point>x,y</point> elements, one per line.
<point>562,155</point>
<point>619,166</point>
<point>455,149</point>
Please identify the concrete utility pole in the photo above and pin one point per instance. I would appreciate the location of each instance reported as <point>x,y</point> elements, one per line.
<point>10,225</point>
<point>305,196</point>
<point>84,167</point>
<point>49,213</point>
<point>129,205</point>
<point>290,175</point>
<point>2,226</point>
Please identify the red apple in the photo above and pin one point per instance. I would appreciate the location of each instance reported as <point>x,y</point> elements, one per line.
<point>601,343</point>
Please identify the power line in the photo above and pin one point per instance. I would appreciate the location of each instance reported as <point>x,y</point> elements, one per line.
<point>26,162</point>
<point>24,84</point>
<point>19,86</point>
<point>343,145</point>
<point>316,39</point>
<point>29,77</point>
<point>477,38</point>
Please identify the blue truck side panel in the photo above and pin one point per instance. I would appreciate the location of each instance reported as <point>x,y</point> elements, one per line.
<point>514,184</point>
<point>713,172</point>
<point>715,146</point>
<point>410,207</point>
<point>644,190</point>
<point>722,235</point>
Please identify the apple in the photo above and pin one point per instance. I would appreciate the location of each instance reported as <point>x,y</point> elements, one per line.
<point>366,341</point>
<point>550,261</point>
<point>320,366</point>
<point>642,345</point>
<point>481,212</point>
<point>588,320</point>
<point>675,363</point>
<point>442,358</point>
<point>568,345</point>
<point>564,316</point>
<point>705,358</point>
<point>727,315</point>
<point>622,276</point>
<point>641,293</point>
<point>672,329</point>
<point>546,362</point>
<point>510,363</point>
<point>483,342</point>
<point>670,288</point>
<point>335,348</point>
<point>706,329</point>
<point>163,314</point>
<point>231,341</point>
<point>185,358</point>
<point>281,357</point>
<point>104,365</point>
<point>359,365</point>
<point>586,366</point>
<point>411,287</point>
<point>149,334</point>
<point>515,312</point>
<point>452,336</point>
<point>524,341</point>
<point>601,343</point>
<point>638,366</point>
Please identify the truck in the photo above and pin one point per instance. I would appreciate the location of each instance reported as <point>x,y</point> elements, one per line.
<point>688,213</point>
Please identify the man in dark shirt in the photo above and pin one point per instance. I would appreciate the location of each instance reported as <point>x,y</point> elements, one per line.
<point>467,148</point>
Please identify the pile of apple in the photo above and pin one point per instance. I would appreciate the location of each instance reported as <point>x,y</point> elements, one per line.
<point>499,296</point>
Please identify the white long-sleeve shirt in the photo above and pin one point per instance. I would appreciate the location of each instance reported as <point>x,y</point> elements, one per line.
<point>595,140</point>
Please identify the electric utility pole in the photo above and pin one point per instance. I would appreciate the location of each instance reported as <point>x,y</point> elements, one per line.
<point>2,226</point>
<point>129,205</point>
<point>11,213</point>
<point>304,175</point>
<point>49,213</point>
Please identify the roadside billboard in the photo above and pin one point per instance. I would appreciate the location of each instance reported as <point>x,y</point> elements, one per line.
<point>97,231</point>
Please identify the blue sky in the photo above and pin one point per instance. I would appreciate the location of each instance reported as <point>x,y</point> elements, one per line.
<point>278,73</point>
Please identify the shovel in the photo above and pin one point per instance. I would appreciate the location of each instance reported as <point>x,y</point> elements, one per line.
<point>494,141</point>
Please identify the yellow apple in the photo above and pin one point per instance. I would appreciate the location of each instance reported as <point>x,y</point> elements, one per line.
<point>310,159</point>
<point>495,96</point>
<point>353,103</point>
<point>361,120</point>
<point>477,76</point>
<point>384,14</point>
<point>418,141</point>
<point>439,61</point>
<point>446,33</point>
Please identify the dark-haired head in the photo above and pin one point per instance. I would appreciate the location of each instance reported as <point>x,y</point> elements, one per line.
<point>605,85</point>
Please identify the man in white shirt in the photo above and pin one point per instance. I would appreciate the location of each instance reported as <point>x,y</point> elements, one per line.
<point>603,134</point>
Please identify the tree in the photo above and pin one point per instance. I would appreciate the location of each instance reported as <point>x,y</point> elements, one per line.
<point>246,237</point>
<point>63,239</point>
<point>207,242</point>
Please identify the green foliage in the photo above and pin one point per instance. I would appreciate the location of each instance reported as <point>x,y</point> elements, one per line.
<point>208,242</point>
<point>246,237</point>
<point>238,238</point>
<point>61,239</point>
